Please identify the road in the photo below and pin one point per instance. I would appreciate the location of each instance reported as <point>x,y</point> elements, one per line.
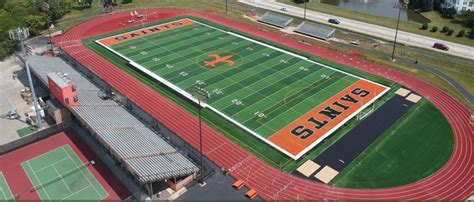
<point>366,28</point>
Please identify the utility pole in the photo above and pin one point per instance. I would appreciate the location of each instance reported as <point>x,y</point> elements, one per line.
<point>400,6</point>
<point>225,6</point>
<point>202,96</point>
<point>304,16</point>
<point>21,34</point>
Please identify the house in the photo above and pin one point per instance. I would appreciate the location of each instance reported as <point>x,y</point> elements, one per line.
<point>459,5</point>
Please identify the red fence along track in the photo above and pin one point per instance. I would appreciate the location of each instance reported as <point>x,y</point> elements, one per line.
<point>453,181</point>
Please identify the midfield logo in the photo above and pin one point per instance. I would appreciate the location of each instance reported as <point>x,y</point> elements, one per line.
<point>219,59</point>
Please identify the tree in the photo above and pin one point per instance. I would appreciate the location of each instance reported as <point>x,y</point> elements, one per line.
<point>300,1</point>
<point>434,29</point>
<point>450,32</point>
<point>449,12</point>
<point>89,3</point>
<point>424,26</point>
<point>471,34</point>
<point>467,17</point>
<point>422,5</point>
<point>461,33</point>
<point>36,23</point>
<point>445,29</point>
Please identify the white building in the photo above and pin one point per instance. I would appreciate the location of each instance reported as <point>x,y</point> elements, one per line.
<point>459,5</point>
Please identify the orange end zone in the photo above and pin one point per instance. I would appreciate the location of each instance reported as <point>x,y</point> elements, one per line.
<point>144,32</point>
<point>311,128</point>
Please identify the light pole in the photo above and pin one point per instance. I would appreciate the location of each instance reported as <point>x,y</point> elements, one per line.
<point>50,39</point>
<point>400,6</point>
<point>21,34</point>
<point>202,96</point>
<point>225,6</point>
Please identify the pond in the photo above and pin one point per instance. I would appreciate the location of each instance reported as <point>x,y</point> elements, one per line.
<point>384,8</point>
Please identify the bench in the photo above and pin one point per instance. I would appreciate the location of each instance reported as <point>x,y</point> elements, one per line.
<point>251,194</point>
<point>238,184</point>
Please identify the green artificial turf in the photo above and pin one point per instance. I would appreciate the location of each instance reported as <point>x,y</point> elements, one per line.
<point>276,159</point>
<point>22,132</point>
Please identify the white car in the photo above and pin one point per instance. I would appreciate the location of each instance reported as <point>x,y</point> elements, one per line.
<point>283,9</point>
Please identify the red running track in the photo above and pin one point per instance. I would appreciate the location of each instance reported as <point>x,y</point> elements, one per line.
<point>20,185</point>
<point>453,181</point>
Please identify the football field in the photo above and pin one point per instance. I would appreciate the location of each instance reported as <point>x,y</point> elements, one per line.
<point>284,99</point>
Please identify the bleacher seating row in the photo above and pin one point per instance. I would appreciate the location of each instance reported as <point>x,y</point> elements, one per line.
<point>315,30</point>
<point>275,19</point>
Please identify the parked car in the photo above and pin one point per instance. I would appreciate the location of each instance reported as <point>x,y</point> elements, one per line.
<point>334,21</point>
<point>441,46</point>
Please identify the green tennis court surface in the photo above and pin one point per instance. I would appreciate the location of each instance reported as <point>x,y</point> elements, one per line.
<point>61,175</point>
<point>257,87</point>
<point>5,192</point>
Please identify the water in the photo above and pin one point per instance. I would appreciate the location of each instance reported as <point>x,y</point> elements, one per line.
<point>384,8</point>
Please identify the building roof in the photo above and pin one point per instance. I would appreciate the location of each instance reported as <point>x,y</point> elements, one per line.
<point>144,153</point>
<point>315,30</point>
<point>276,19</point>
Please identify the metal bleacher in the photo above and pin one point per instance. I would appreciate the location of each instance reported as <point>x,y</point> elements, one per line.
<point>275,19</point>
<point>144,153</point>
<point>315,30</point>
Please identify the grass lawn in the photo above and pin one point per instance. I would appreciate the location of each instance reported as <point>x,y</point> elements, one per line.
<point>411,150</point>
<point>407,26</point>
<point>26,131</point>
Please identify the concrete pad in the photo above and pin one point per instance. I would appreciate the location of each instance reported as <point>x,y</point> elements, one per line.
<point>402,92</point>
<point>308,168</point>
<point>413,98</point>
<point>326,174</point>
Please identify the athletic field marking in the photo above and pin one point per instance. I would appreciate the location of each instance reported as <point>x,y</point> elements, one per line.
<point>78,166</point>
<point>61,177</point>
<point>246,85</point>
<point>5,189</point>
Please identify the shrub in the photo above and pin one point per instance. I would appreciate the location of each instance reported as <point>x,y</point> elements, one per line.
<point>450,32</point>
<point>461,33</point>
<point>434,29</point>
<point>445,29</point>
<point>471,34</point>
<point>424,26</point>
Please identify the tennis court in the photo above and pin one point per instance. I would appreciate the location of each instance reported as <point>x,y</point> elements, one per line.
<point>5,192</point>
<point>60,175</point>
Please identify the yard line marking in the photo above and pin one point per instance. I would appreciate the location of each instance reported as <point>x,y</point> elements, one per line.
<point>276,92</point>
<point>316,94</point>
<point>197,69</point>
<point>235,81</point>
<point>243,72</point>
<point>62,179</point>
